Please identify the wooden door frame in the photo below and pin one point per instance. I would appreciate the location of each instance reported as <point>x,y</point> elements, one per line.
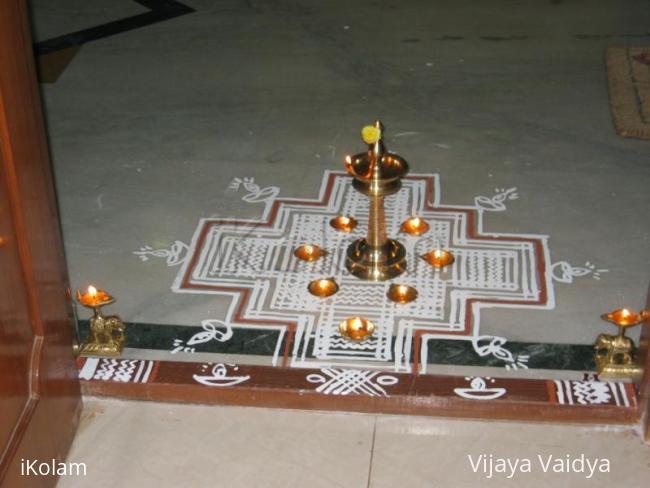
<point>50,416</point>
<point>644,386</point>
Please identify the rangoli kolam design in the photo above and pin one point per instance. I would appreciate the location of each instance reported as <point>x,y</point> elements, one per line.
<point>254,262</point>
<point>290,271</point>
<point>337,334</point>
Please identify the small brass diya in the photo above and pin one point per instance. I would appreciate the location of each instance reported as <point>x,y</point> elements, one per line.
<point>356,328</point>
<point>323,288</point>
<point>438,258</point>
<point>344,223</point>
<point>94,297</point>
<point>401,293</point>
<point>414,226</point>
<point>624,317</point>
<point>309,252</point>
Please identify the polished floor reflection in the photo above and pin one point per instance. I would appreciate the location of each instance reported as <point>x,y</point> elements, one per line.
<point>234,447</point>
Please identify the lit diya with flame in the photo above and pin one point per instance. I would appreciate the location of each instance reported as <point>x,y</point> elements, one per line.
<point>356,328</point>
<point>624,317</point>
<point>344,223</point>
<point>414,226</point>
<point>106,336</point>
<point>401,293</point>
<point>438,258</point>
<point>94,297</point>
<point>309,252</point>
<point>323,288</point>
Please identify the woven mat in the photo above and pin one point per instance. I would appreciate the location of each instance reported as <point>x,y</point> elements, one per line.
<point>628,76</point>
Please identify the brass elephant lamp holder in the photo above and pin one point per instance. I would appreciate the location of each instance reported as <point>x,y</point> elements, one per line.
<point>615,355</point>
<point>107,335</point>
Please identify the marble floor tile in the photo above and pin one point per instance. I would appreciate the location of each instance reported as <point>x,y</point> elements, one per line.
<point>145,444</point>
<point>423,453</point>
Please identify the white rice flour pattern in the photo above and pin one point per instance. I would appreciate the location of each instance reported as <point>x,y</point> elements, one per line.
<point>213,330</point>
<point>120,370</point>
<point>478,389</point>
<point>592,392</point>
<point>252,261</point>
<point>173,256</point>
<point>219,375</point>
<point>333,381</point>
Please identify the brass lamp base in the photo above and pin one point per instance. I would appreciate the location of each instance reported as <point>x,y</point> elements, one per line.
<point>615,371</point>
<point>106,337</point>
<point>101,350</point>
<point>615,355</point>
<point>376,263</point>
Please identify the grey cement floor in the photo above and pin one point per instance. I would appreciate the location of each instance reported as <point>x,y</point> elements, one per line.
<point>147,128</point>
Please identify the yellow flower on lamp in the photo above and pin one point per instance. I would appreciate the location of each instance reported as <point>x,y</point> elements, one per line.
<point>371,133</point>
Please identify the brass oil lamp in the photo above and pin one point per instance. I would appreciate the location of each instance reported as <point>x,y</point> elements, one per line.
<point>414,226</point>
<point>615,355</point>
<point>401,294</point>
<point>323,288</point>
<point>377,174</point>
<point>106,336</point>
<point>344,223</point>
<point>439,258</point>
<point>309,252</point>
<point>356,329</point>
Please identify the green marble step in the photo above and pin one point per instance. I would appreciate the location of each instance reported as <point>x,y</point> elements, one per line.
<point>162,337</point>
